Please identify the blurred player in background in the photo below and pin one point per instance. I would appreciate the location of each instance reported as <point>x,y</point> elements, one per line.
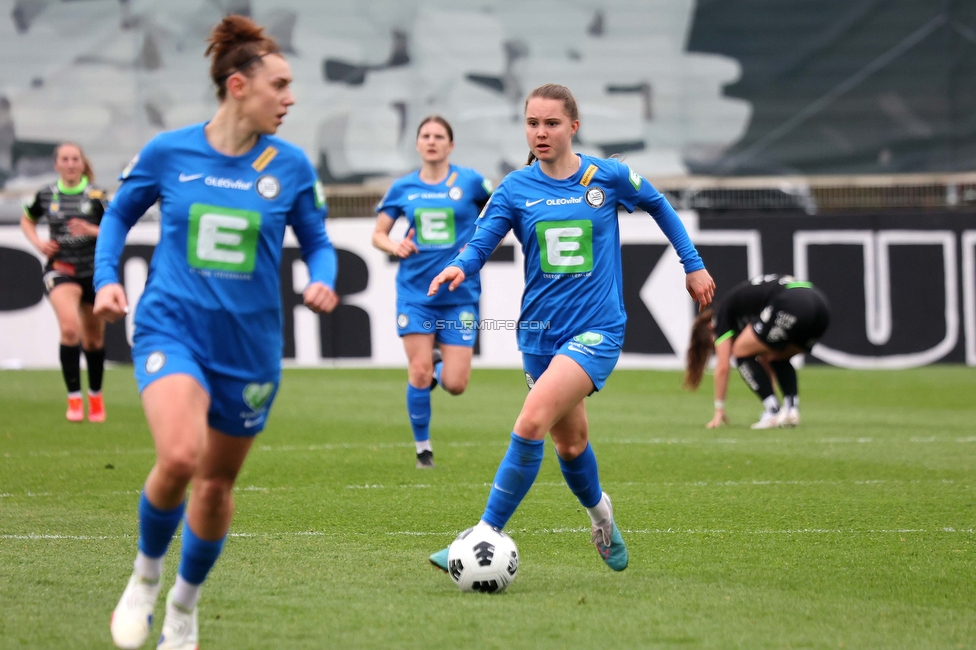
<point>441,202</point>
<point>562,208</point>
<point>764,321</point>
<point>207,343</point>
<point>73,208</point>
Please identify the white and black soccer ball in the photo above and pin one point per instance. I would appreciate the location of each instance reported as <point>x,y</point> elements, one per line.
<point>482,559</point>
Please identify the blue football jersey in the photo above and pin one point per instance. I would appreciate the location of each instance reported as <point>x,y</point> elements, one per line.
<point>571,240</point>
<point>443,218</point>
<point>214,276</point>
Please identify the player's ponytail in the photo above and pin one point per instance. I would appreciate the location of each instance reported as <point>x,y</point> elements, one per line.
<point>236,44</point>
<point>87,171</point>
<point>554,91</point>
<point>700,349</point>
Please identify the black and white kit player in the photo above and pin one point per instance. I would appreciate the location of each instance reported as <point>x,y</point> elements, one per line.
<point>762,322</point>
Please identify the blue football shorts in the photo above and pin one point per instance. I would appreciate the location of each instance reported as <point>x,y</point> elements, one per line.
<point>593,351</point>
<point>239,405</point>
<point>450,324</point>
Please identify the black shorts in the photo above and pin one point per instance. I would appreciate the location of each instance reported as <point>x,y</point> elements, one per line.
<point>53,277</point>
<point>797,316</point>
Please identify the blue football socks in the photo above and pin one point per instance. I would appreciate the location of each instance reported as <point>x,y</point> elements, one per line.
<point>583,478</point>
<point>514,477</point>
<point>156,527</point>
<point>198,555</point>
<point>418,408</point>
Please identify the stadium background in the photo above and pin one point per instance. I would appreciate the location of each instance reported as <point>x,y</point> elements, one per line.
<point>830,139</point>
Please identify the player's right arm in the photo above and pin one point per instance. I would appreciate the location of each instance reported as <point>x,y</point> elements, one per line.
<point>493,224</point>
<point>388,210</point>
<point>723,356</point>
<point>139,191</point>
<point>28,224</point>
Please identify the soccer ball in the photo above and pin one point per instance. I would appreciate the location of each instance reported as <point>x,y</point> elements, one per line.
<point>482,559</point>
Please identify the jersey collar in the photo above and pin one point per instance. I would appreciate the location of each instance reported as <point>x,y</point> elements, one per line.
<point>77,189</point>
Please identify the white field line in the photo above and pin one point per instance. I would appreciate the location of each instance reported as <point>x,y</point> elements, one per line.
<point>557,484</point>
<point>504,443</point>
<point>238,488</point>
<point>543,531</point>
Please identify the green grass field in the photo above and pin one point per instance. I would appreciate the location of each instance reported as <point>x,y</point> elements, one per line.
<point>855,530</point>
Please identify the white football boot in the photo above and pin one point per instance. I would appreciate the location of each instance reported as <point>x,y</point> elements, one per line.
<point>133,615</point>
<point>767,421</point>
<point>789,417</point>
<point>180,630</point>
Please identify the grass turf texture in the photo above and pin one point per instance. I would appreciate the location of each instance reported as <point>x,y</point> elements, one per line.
<point>855,530</point>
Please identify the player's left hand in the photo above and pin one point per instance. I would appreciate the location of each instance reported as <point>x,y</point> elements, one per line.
<point>320,298</point>
<point>701,286</point>
<point>81,228</point>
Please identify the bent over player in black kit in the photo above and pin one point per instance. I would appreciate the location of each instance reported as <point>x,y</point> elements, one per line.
<point>73,208</point>
<point>766,320</point>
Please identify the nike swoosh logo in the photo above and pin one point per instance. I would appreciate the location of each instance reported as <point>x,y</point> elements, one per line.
<point>185,178</point>
<point>529,204</point>
<point>252,423</point>
<point>501,489</point>
<point>411,197</point>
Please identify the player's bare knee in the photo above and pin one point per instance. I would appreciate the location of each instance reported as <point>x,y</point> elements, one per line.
<point>178,465</point>
<point>532,424</point>
<point>454,386</point>
<point>70,335</point>
<point>214,490</point>
<point>421,373</point>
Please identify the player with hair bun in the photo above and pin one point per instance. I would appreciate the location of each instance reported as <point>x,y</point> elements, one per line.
<point>73,208</point>
<point>207,343</point>
<point>761,322</point>
<point>562,208</point>
<point>440,202</point>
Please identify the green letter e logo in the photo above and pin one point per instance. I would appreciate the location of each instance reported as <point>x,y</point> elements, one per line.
<point>565,246</point>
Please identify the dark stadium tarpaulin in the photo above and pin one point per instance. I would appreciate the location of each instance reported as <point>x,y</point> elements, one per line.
<point>846,86</point>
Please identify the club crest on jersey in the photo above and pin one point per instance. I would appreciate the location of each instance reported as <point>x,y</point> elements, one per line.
<point>403,320</point>
<point>85,206</point>
<point>455,193</point>
<point>268,187</point>
<point>529,381</point>
<point>155,362</point>
<point>595,197</point>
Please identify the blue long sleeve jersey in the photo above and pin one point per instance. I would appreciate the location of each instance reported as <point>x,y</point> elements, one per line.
<point>442,217</point>
<point>571,241</point>
<point>214,276</point>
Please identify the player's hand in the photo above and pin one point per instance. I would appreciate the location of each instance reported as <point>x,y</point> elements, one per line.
<point>452,274</point>
<point>701,286</point>
<point>320,298</point>
<point>49,247</point>
<point>111,303</point>
<point>81,228</point>
<point>406,247</point>
<point>718,420</point>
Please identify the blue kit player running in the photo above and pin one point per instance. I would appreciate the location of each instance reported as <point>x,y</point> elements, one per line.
<point>207,344</point>
<point>440,202</point>
<point>563,210</point>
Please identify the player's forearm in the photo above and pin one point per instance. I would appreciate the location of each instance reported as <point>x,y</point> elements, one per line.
<point>721,377</point>
<point>670,224</point>
<point>474,255</point>
<point>108,249</point>
<point>29,228</point>
<point>382,241</point>
<point>322,266</point>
